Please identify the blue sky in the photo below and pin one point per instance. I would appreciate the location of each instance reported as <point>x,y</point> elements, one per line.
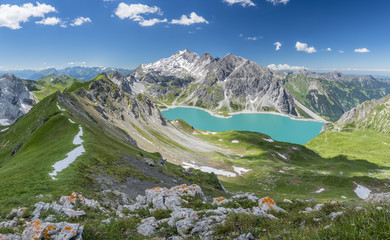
<point>316,34</point>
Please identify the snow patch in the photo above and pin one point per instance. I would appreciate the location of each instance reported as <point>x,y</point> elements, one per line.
<point>71,156</point>
<point>3,130</point>
<point>209,170</point>
<point>362,192</point>
<point>70,120</point>
<point>282,156</point>
<point>4,122</point>
<point>241,170</point>
<point>235,141</point>
<point>268,139</point>
<point>61,109</point>
<point>320,190</point>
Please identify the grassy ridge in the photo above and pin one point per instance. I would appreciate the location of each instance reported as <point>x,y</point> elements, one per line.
<point>46,137</point>
<point>50,84</point>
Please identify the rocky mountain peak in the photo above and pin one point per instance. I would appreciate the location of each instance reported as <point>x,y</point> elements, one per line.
<point>15,99</point>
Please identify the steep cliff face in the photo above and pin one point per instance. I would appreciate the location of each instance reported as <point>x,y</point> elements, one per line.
<point>15,99</point>
<point>227,85</point>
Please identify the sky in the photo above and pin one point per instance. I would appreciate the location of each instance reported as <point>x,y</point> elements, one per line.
<point>320,35</point>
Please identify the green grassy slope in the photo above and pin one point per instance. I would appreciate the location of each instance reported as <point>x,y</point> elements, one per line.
<point>50,84</point>
<point>298,172</point>
<point>46,135</point>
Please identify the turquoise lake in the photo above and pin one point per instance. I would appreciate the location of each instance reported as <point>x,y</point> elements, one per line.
<point>280,128</point>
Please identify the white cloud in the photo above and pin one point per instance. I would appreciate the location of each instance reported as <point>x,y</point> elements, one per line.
<point>12,15</point>
<point>276,2</point>
<point>341,51</point>
<point>254,38</point>
<point>192,19</point>
<point>243,3</point>
<point>151,22</point>
<point>77,63</point>
<point>362,50</point>
<point>329,49</point>
<point>303,47</point>
<point>134,12</point>
<point>278,46</point>
<point>80,21</point>
<point>285,67</point>
<point>49,21</point>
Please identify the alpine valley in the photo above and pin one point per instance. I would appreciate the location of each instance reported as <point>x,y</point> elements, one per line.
<point>96,159</point>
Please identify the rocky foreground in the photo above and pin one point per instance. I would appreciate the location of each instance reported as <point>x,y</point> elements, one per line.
<point>172,208</point>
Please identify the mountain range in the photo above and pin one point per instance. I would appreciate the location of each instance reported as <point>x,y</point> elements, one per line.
<point>80,72</point>
<point>222,85</point>
<point>107,139</point>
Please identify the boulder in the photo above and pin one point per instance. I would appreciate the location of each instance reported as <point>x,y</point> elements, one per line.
<point>378,198</point>
<point>72,213</point>
<point>10,237</point>
<point>148,227</point>
<point>17,212</point>
<point>8,224</point>
<point>266,204</point>
<point>220,200</point>
<point>250,196</point>
<point>37,230</point>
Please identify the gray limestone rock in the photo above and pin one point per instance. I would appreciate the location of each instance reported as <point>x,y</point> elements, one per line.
<point>148,226</point>
<point>15,99</point>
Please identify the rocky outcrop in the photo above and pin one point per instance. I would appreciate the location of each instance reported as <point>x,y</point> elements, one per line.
<point>371,114</point>
<point>378,198</point>
<point>228,84</point>
<point>57,231</point>
<point>15,99</point>
<point>189,222</point>
<point>37,229</point>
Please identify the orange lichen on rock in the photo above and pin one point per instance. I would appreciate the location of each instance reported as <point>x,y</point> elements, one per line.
<point>73,196</point>
<point>36,225</point>
<point>156,189</point>
<point>268,200</point>
<point>220,199</point>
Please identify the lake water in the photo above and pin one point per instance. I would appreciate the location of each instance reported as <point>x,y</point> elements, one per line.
<point>280,128</point>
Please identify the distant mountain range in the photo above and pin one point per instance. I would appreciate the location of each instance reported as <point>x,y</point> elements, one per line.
<point>79,72</point>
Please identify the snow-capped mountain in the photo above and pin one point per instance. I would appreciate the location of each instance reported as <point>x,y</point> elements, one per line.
<point>228,84</point>
<point>15,99</point>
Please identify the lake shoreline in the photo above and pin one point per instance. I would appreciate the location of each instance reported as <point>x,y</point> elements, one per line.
<point>242,112</point>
